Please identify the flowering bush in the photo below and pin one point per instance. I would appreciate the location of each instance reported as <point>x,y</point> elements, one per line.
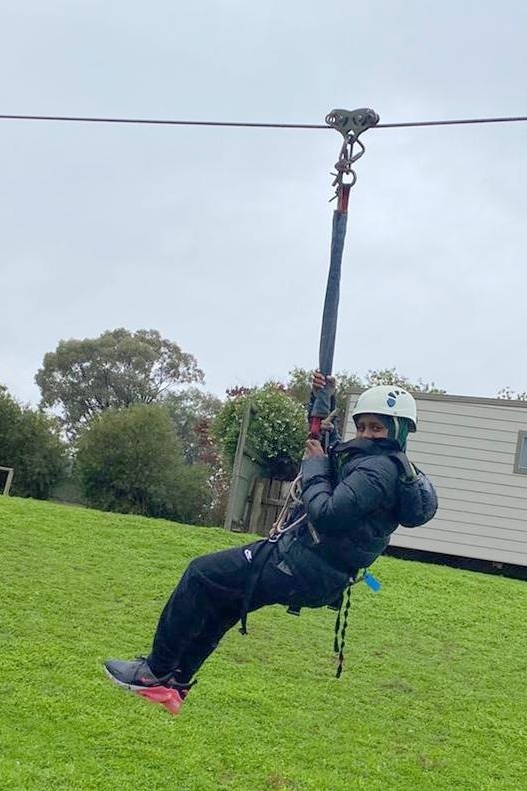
<point>277,429</point>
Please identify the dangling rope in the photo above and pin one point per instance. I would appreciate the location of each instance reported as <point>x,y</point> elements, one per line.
<point>293,498</point>
<point>339,643</point>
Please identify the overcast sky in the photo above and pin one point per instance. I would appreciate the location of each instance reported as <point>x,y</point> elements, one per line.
<point>219,238</point>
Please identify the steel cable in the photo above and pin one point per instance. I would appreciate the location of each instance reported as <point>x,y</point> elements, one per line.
<point>250,124</point>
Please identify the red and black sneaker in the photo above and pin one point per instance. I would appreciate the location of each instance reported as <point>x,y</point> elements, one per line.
<point>137,677</point>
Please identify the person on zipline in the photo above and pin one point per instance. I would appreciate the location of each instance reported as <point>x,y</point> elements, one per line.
<point>350,504</point>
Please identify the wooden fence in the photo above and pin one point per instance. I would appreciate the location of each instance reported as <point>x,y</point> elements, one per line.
<point>265,501</point>
<point>254,500</point>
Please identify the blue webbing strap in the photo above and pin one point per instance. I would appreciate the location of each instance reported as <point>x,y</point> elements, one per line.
<point>322,404</point>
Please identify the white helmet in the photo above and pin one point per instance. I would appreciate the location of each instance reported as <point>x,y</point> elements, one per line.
<point>387,400</point>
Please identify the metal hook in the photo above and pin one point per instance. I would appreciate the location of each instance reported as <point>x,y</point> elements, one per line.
<point>350,123</point>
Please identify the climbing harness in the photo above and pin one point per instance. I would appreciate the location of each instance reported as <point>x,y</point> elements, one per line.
<point>351,124</point>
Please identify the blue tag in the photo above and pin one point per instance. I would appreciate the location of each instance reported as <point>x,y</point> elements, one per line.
<point>372,582</point>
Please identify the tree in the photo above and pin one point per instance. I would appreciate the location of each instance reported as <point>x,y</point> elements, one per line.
<point>119,368</point>
<point>130,460</point>
<point>390,376</point>
<point>30,443</point>
<point>192,412</point>
<point>298,386</point>
<point>277,431</point>
<point>509,394</point>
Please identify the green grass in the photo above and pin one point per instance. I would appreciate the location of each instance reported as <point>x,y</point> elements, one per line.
<point>433,694</point>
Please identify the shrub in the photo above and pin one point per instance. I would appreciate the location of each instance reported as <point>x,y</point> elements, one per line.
<point>130,460</point>
<point>277,430</point>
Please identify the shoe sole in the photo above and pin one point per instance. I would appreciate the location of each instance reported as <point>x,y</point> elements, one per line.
<point>167,697</point>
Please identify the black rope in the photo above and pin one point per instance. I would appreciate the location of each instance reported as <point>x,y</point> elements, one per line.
<point>339,648</point>
<point>336,646</point>
<point>250,124</point>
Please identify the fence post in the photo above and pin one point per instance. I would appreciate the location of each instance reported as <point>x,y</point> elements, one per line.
<point>257,504</point>
<point>244,472</point>
<point>7,485</point>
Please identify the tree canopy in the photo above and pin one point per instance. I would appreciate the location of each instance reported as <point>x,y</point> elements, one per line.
<point>119,368</point>
<point>130,460</point>
<point>30,443</point>
<point>192,412</point>
<point>509,394</point>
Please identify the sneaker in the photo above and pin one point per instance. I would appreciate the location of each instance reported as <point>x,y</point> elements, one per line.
<point>137,677</point>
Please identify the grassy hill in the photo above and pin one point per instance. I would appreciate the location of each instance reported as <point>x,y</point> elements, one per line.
<point>433,694</point>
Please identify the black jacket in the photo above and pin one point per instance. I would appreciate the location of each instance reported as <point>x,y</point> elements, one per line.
<point>351,503</point>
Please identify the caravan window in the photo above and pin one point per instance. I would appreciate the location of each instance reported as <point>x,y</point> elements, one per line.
<point>520,464</point>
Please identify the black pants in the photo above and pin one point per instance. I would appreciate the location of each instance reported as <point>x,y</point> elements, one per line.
<point>208,601</point>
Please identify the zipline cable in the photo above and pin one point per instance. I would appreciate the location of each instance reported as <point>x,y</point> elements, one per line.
<point>158,122</point>
<point>250,124</point>
<point>351,124</point>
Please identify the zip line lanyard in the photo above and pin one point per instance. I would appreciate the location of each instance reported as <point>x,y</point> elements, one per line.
<point>351,124</point>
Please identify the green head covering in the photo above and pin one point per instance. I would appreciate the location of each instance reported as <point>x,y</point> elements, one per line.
<point>398,428</point>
